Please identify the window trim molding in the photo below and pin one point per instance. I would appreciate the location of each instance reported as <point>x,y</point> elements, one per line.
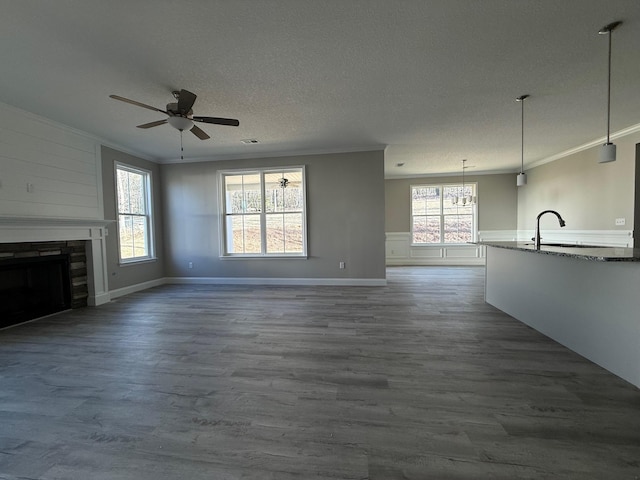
<point>151,257</point>
<point>223,255</point>
<point>475,226</point>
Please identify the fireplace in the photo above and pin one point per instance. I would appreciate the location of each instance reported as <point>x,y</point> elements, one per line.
<point>84,240</point>
<point>38,279</point>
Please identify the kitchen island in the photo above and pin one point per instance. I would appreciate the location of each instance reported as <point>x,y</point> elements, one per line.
<point>586,298</point>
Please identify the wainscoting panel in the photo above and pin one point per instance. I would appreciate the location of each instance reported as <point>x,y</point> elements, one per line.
<point>604,238</point>
<point>427,252</point>
<point>401,252</point>
<point>397,245</point>
<point>461,252</point>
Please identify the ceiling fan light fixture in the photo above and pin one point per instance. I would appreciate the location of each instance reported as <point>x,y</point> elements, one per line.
<point>180,123</point>
<point>180,114</point>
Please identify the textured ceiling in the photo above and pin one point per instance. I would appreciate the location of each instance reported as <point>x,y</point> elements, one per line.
<point>432,81</point>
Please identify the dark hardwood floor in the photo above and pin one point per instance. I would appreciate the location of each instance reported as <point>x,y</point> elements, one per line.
<point>417,380</point>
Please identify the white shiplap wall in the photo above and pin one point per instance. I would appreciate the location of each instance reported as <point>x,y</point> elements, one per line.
<point>47,170</point>
<point>51,189</point>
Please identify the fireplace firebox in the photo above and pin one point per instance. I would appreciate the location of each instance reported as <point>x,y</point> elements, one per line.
<point>41,278</point>
<point>33,287</point>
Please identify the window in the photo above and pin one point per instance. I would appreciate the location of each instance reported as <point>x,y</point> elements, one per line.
<point>264,212</point>
<point>133,188</point>
<point>443,214</point>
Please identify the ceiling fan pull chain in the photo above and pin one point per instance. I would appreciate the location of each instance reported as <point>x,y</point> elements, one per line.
<point>181,147</point>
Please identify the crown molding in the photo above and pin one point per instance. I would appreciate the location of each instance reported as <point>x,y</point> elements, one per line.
<point>581,148</point>
<point>276,154</point>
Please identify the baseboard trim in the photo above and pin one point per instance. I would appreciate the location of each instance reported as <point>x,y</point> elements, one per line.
<point>120,292</point>
<point>442,262</point>
<point>97,300</point>
<point>346,282</point>
<point>338,282</point>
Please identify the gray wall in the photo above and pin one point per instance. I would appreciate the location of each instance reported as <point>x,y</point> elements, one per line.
<point>636,222</point>
<point>588,195</point>
<point>590,307</point>
<point>345,203</point>
<point>497,200</point>
<point>127,275</point>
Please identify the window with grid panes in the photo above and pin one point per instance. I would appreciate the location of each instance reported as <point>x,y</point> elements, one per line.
<point>264,212</point>
<point>443,214</point>
<point>133,191</point>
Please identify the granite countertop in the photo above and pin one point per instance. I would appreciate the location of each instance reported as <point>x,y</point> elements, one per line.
<point>585,252</point>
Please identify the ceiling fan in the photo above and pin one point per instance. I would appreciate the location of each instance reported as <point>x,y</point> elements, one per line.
<point>180,114</point>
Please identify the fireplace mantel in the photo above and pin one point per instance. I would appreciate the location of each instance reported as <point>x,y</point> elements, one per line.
<point>34,229</point>
<point>15,229</point>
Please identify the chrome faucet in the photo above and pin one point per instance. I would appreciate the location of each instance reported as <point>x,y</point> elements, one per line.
<point>537,237</point>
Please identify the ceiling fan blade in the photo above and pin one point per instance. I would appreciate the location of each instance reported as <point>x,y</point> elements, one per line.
<point>152,124</point>
<point>133,102</point>
<point>232,122</point>
<point>186,99</point>
<point>198,132</point>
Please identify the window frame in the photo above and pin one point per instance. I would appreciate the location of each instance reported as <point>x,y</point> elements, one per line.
<point>442,215</point>
<point>261,171</point>
<point>148,199</point>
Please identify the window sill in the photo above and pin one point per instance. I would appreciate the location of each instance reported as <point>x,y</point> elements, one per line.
<point>264,257</point>
<point>128,263</point>
<point>440,245</point>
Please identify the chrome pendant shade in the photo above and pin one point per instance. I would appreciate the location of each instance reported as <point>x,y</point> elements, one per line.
<point>521,179</point>
<point>464,199</point>
<point>607,153</point>
<point>608,150</point>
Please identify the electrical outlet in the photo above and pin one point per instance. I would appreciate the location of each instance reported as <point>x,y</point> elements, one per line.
<point>620,221</point>
<point>190,264</point>
<point>342,266</point>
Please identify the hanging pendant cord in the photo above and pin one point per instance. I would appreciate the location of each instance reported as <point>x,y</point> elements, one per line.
<point>522,137</point>
<point>608,30</point>
<point>609,88</point>
<point>521,99</point>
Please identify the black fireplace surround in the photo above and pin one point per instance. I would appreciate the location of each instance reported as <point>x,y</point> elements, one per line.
<point>40,279</point>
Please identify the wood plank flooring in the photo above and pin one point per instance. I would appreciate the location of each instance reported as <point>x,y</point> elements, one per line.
<point>417,380</point>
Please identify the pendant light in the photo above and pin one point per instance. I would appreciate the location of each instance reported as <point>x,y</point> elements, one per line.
<point>608,150</point>
<point>463,199</point>
<point>521,179</point>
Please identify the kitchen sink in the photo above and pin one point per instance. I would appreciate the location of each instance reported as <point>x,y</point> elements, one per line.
<point>563,245</point>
